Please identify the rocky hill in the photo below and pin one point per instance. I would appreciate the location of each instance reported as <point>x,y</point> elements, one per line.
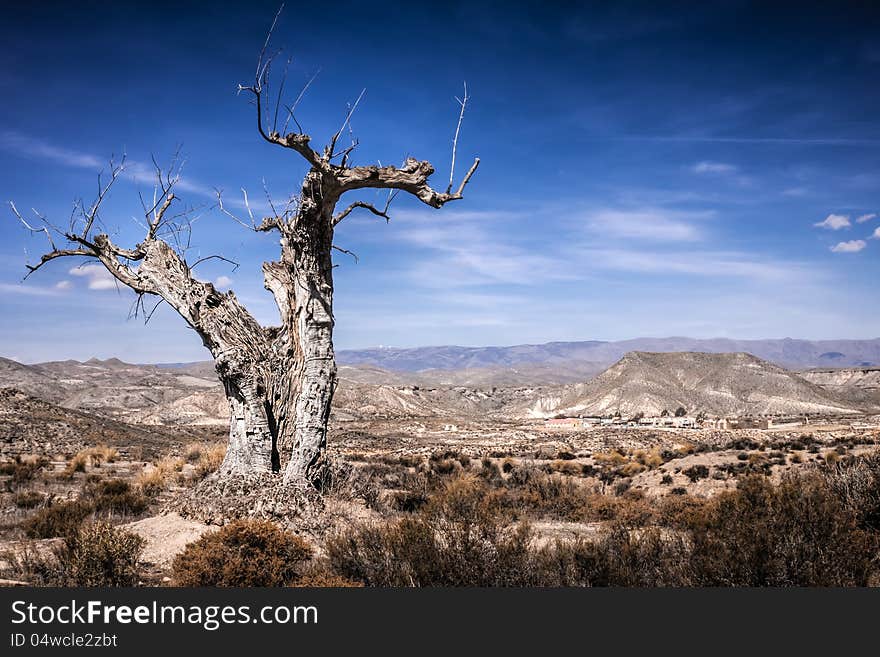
<point>716,384</point>
<point>860,384</point>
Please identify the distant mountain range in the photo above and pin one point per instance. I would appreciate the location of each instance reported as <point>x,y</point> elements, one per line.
<point>594,356</point>
<point>715,383</point>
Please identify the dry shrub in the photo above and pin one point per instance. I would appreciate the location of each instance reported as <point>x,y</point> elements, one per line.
<point>795,534</point>
<point>169,468</point>
<point>696,472</point>
<point>209,460</point>
<point>57,519</point>
<point>96,554</point>
<point>91,457</point>
<point>650,459</point>
<point>192,452</point>
<point>621,557</point>
<point>77,464</point>
<point>529,491</point>
<point>613,458</point>
<point>243,553</point>
<point>103,454</point>
<point>460,538</point>
<point>857,485</point>
<point>319,575</point>
<point>116,496</point>
<point>630,469</point>
<point>565,467</point>
<point>813,529</point>
<point>831,457</point>
<point>152,481</point>
<point>101,555</point>
<point>23,470</point>
<point>28,499</point>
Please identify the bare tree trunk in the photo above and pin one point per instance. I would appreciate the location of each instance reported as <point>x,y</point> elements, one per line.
<point>251,442</point>
<point>305,380</point>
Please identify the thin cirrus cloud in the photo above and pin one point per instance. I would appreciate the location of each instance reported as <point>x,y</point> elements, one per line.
<point>707,167</point>
<point>708,263</point>
<point>852,246</point>
<point>866,217</point>
<point>834,222</point>
<point>643,242</point>
<point>97,277</point>
<point>648,224</point>
<point>135,171</point>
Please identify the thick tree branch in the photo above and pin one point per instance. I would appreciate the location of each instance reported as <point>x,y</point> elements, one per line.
<point>412,177</point>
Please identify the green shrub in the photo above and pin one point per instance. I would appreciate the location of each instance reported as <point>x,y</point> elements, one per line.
<point>243,553</point>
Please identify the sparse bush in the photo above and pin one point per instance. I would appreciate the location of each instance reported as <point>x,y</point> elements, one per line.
<point>857,485</point>
<point>243,553</point>
<point>28,499</point>
<point>209,460</point>
<point>460,538</point>
<point>696,472</point>
<point>23,470</point>
<point>152,481</point>
<point>795,534</point>
<point>193,452</point>
<point>101,555</point>
<point>116,496</point>
<point>325,579</point>
<point>91,456</point>
<point>77,464</point>
<point>444,466</point>
<point>408,501</point>
<point>58,519</point>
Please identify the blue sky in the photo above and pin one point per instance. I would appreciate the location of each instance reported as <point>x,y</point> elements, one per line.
<point>703,171</point>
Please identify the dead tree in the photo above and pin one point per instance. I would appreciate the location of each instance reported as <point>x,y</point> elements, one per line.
<point>279,380</point>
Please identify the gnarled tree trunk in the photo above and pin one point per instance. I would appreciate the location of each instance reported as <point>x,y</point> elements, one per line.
<point>279,380</point>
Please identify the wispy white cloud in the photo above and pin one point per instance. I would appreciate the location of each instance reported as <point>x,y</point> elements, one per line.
<point>834,222</point>
<point>876,234</point>
<point>135,171</point>
<point>468,249</point>
<point>63,285</point>
<point>97,277</point>
<point>795,192</point>
<point>223,282</point>
<point>702,263</point>
<point>865,217</point>
<point>852,246</point>
<point>714,168</point>
<point>19,144</point>
<point>648,224</point>
<point>27,290</point>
